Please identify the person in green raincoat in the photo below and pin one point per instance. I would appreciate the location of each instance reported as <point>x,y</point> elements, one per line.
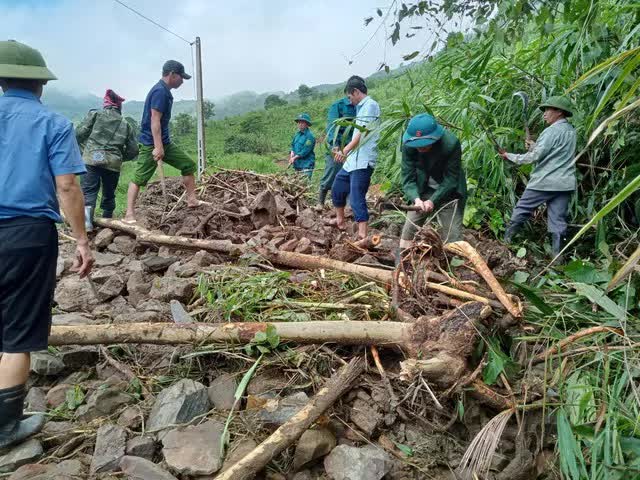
<point>302,156</point>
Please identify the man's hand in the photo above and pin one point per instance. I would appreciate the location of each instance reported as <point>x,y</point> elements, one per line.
<point>529,143</point>
<point>503,154</point>
<point>158,153</point>
<point>83,262</point>
<point>340,156</point>
<point>425,206</point>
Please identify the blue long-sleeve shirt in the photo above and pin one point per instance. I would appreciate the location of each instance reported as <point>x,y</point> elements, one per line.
<point>336,135</point>
<point>303,144</point>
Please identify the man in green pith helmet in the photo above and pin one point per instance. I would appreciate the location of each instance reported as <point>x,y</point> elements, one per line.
<point>39,160</point>
<point>553,179</point>
<point>432,178</point>
<point>301,155</point>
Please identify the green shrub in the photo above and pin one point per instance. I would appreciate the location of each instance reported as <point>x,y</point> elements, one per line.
<point>249,143</point>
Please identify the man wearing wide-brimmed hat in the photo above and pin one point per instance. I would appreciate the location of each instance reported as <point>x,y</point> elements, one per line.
<point>553,179</point>
<point>303,143</point>
<point>39,157</point>
<point>432,178</point>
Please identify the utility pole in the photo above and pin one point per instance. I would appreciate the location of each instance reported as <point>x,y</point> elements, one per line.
<point>202,149</point>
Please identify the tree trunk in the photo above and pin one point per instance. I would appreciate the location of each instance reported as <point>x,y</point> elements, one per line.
<point>291,431</point>
<point>340,332</point>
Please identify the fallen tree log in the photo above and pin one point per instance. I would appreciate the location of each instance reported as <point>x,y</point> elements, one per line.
<point>291,431</point>
<point>446,339</point>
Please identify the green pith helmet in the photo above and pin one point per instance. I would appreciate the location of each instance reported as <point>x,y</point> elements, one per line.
<point>422,131</point>
<point>558,102</point>
<point>304,117</point>
<point>18,60</point>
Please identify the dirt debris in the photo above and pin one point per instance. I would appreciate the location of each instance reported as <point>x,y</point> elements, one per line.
<point>419,437</point>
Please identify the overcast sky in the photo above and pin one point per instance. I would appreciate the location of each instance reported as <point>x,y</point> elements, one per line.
<point>254,45</point>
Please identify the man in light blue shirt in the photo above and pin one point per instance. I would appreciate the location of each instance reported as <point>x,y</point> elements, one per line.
<point>553,179</point>
<point>359,157</point>
<point>39,157</point>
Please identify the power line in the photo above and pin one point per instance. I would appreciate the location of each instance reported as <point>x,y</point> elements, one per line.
<point>153,21</point>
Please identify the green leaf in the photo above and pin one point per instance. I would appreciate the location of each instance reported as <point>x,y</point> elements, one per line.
<point>411,56</point>
<point>533,297</point>
<point>408,451</point>
<point>520,276</point>
<point>456,262</point>
<point>74,397</point>
<point>584,272</point>
<point>598,297</point>
<point>521,252</point>
<point>263,349</point>
<point>571,460</point>
<point>260,337</point>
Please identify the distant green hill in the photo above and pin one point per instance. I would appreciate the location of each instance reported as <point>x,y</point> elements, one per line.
<point>75,107</point>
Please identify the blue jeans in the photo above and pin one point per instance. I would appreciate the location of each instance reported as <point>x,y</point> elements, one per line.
<point>90,183</point>
<point>354,184</point>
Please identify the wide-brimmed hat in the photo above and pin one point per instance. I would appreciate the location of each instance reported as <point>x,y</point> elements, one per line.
<point>558,102</point>
<point>18,60</point>
<point>422,131</point>
<point>303,117</point>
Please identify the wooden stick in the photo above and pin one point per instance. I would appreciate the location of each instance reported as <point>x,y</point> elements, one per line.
<point>466,250</point>
<point>291,431</point>
<point>573,338</point>
<point>461,294</point>
<point>163,183</point>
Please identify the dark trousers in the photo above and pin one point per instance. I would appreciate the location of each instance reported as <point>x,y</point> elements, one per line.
<point>28,255</point>
<point>91,186</point>
<point>355,185</point>
<point>331,169</point>
<point>557,209</point>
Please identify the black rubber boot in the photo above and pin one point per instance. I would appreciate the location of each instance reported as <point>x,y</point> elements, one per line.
<point>322,197</point>
<point>510,232</point>
<point>13,428</point>
<point>558,241</point>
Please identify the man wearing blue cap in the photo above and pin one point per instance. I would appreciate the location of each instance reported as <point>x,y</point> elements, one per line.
<point>432,178</point>
<point>303,143</point>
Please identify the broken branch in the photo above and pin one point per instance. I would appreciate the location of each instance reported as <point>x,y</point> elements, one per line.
<point>288,433</point>
<point>466,250</point>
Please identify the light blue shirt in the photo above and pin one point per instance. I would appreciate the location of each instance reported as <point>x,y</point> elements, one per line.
<point>36,145</point>
<point>366,154</point>
<point>554,157</point>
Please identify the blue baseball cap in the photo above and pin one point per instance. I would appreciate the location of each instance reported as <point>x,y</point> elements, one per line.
<point>422,131</point>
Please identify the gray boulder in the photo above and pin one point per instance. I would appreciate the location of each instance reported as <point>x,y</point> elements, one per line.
<point>19,455</point>
<point>137,468</point>
<point>110,448</point>
<point>353,463</point>
<point>221,392</point>
<point>194,450</point>
<point>45,363</point>
<point>179,403</point>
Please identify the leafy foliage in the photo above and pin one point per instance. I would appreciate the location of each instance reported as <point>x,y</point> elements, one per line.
<point>273,101</point>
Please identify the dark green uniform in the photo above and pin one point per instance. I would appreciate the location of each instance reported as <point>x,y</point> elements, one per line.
<point>436,175</point>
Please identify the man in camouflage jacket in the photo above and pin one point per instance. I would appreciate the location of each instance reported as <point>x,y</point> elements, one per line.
<point>108,140</point>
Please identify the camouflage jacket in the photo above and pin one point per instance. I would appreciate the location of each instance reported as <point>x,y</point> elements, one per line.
<point>106,139</point>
